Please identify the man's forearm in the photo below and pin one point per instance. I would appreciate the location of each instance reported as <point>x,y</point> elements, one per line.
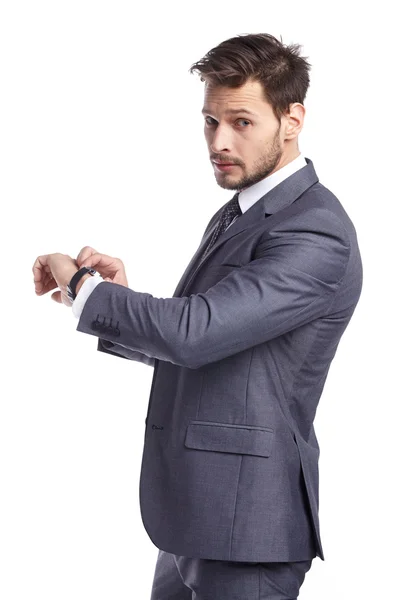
<point>84,290</point>
<point>296,270</point>
<point>81,281</point>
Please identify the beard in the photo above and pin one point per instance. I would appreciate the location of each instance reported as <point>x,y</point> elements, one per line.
<point>263,167</point>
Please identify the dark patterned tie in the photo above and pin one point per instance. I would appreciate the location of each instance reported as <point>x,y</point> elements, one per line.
<point>231,210</point>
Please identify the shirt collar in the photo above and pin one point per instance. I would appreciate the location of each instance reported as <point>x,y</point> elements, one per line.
<point>253,193</point>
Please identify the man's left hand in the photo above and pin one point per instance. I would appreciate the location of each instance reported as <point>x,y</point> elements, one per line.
<point>52,271</point>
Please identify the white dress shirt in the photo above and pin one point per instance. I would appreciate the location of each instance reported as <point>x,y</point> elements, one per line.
<point>246,198</point>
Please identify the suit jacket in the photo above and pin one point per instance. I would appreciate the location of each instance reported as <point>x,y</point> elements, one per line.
<point>241,353</point>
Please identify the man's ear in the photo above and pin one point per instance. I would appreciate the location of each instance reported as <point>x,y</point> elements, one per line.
<point>294,120</point>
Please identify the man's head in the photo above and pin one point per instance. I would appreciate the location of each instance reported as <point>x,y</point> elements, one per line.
<point>257,73</point>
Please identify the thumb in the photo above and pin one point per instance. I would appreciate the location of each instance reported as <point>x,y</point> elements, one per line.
<point>85,262</point>
<point>56,296</point>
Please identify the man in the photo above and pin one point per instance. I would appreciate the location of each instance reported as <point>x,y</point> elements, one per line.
<point>241,352</point>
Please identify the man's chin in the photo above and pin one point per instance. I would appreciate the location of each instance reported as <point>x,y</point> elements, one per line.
<point>228,182</point>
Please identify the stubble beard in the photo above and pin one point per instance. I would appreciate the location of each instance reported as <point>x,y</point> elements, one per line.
<point>263,167</point>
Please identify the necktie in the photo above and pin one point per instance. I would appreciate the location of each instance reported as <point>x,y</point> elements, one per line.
<point>231,210</point>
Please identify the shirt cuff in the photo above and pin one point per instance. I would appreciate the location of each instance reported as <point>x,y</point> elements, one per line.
<point>85,290</point>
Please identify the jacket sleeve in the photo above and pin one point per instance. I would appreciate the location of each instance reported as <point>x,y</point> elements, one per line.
<point>123,352</point>
<point>297,266</point>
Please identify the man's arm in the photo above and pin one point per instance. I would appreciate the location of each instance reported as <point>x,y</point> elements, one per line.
<point>83,294</point>
<point>84,289</point>
<point>122,351</point>
<point>298,265</point>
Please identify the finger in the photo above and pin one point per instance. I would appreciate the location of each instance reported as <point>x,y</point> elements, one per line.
<point>43,288</point>
<point>46,283</point>
<point>99,261</point>
<point>83,261</point>
<point>119,277</point>
<point>86,250</point>
<point>38,267</point>
<point>41,272</point>
<point>57,297</point>
<point>84,254</point>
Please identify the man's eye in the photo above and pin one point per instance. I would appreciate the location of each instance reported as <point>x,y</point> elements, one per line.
<point>213,121</point>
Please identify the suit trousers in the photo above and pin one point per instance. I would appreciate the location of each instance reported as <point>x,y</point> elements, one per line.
<point>183,578</point>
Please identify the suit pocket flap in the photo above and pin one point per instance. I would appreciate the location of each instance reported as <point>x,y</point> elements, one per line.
<point>226,437</point>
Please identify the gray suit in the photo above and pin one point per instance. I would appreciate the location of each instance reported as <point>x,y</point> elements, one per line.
<point>240,353</point>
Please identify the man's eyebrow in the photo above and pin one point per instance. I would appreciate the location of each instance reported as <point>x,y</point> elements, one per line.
<point>233,111</point>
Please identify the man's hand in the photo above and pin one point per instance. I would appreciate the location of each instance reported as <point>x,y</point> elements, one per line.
<point>111,269</point>
<point>51,271</point>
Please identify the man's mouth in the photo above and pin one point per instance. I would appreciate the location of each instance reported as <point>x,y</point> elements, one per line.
<point>224,166</point>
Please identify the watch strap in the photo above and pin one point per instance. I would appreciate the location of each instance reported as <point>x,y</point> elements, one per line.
<point>71,287</point>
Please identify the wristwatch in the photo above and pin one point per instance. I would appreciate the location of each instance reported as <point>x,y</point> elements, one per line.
<point>71,287</point>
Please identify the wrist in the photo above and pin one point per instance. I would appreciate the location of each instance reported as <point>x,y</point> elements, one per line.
<point>81,282</point>
<point>77,280</point>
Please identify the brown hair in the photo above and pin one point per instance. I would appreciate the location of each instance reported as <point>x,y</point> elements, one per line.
<point>283,73</point>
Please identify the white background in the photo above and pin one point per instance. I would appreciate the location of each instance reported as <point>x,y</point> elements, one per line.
<point>102,145</point>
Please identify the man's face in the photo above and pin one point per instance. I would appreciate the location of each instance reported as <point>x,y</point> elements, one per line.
<point>252,141</point>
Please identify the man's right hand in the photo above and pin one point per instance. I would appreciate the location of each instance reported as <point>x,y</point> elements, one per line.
<point>111,269</point>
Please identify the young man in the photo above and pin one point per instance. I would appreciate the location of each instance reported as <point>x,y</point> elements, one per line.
<point>241,352</point>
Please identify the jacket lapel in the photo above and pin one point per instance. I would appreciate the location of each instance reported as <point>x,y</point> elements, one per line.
<point>281,196</point>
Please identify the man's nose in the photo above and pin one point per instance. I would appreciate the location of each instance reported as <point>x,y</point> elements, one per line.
<point>220,141</point>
